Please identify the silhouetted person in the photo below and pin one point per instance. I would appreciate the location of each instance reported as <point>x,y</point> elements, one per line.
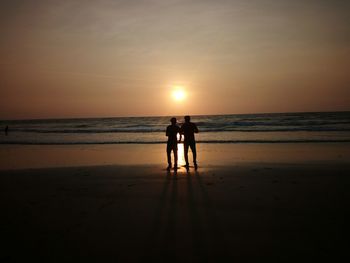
<point>172,131</point>
<point>188,129</point>
<point>6,130</point>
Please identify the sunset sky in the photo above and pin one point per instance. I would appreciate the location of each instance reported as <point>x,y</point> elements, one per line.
<point>125,57</point>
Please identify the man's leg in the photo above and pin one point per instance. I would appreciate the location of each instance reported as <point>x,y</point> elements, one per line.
<point>175,157</point>
<point>186,145</point>
<point>194,152</point>
<point>168,152</point>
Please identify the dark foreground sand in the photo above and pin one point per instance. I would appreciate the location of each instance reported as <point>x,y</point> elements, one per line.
<point>248,212</point>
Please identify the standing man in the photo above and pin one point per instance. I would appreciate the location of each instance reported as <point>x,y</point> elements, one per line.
<point>172,131</point>
<point>188,129</point>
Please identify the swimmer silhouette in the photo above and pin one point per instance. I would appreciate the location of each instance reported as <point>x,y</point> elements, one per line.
<point>188,129</point>
<point>172,131</point>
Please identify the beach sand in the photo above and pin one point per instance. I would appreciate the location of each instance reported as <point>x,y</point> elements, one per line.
<point>257,208</point>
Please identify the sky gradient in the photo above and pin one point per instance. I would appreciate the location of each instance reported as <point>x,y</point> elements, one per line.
<point>63,59</point>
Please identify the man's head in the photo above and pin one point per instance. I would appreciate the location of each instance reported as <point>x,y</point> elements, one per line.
<point>173,121</point>
<point>187,118</point>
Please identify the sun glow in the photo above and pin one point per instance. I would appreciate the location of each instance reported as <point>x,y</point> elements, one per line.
<point>179,94</point>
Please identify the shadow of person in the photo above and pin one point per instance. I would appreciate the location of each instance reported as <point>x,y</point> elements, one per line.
<point>167,248</point>
<point>159,249</point>
<point>200,242</point>
<point>214,229</point>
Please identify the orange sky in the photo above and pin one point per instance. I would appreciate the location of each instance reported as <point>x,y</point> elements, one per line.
<point>121,58</point>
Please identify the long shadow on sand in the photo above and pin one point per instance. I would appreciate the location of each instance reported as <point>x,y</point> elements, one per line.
<point>199,235</point>
<point>162,234</point>
<point>185,220</point>
<point>213,230</point>
<point>169,235</point>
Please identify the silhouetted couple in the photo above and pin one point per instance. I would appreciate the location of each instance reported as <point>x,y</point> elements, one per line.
<point>188,129</point>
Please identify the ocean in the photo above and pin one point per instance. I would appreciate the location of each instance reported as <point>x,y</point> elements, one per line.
<point>235,128</point>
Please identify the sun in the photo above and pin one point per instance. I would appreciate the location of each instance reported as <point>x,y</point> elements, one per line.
<point>178,94</point>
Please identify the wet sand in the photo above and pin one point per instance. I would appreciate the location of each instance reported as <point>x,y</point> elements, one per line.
<point>282,212</point>
<point>44,156</point>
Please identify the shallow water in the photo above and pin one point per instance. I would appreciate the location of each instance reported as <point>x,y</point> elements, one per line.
<point>40,156</point>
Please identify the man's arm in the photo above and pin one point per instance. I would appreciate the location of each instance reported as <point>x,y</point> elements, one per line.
<point>195,128</point>
<point>167,132</point>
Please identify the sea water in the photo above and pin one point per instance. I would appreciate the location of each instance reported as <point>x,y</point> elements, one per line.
<point>234,128</point>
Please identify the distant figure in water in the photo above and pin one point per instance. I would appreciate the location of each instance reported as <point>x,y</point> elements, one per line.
<point>6,130</point>
<point>188,129</point>
<point>172,131</point>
